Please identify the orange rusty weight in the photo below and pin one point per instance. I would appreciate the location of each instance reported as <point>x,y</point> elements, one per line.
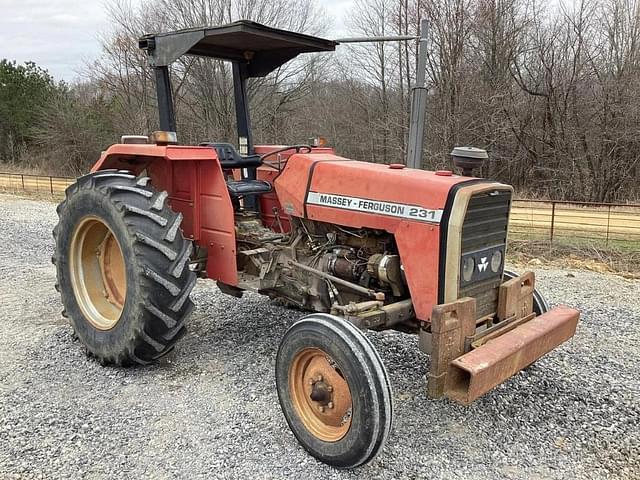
<point>500,358</point>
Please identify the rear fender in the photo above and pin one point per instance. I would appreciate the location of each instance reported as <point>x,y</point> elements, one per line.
<point>197,189</point>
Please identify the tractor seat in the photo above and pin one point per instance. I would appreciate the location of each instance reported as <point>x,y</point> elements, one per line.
<point>243,188</point>
<point>230,158</point>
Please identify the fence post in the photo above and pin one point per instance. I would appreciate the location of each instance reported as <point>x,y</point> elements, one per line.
<point>608,225</point>
<point>553,220</point>
<point>51,185</point>
<point>22,176</point>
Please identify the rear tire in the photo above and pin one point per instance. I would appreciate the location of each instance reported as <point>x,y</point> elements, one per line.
<point>334,391</point>
<point>122,268</point>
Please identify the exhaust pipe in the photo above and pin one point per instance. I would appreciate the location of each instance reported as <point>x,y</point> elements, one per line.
<point>419,94</point>
<point>418,103</point>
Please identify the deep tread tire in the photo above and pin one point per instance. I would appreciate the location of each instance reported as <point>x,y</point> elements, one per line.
<point>540,304</point>
<point>361,367</point>
<point>156,255</point>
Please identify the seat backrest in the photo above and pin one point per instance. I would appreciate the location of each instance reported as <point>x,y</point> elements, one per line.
<point>230,158</point>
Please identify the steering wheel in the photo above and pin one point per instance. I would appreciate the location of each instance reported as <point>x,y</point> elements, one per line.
<point>278,166</point>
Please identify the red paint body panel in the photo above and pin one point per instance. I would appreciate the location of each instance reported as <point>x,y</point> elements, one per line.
<point>197,189</point>
<point>270,205</point>
<point>418,242</point>
<point>216,223</point>
<point>418,246</point>
<point>196,185</point>
<point>272,214</point>
<point>124,154</point>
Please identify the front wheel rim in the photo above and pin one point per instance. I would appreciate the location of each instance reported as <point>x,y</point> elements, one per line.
<point>98,272</point>
<point>320,395</point>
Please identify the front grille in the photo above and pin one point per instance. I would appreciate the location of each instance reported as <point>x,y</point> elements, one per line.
<point>483,232</point>
<point>485,223</point>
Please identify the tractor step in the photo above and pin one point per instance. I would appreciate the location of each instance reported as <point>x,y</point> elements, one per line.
<point>492,363</point>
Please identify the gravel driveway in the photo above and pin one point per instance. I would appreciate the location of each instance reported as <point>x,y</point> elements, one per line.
<point>211,409</point>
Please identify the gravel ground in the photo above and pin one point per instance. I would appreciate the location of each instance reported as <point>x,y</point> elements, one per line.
<point>211,409</point>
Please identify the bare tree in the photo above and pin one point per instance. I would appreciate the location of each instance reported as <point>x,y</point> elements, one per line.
<point>551,90</point>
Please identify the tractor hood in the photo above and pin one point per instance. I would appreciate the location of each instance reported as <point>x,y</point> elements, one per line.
<point>424,211</point>
<point>337,190</point>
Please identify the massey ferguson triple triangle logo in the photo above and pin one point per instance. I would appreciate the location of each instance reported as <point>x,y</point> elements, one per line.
<point>482,266</point>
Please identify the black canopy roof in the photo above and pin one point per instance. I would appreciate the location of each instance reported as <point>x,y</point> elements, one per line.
<point>262,48</point>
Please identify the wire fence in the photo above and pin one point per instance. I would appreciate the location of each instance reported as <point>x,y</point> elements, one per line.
<point>553,221</point>
<point>576,222</point>
<point>23,182</point>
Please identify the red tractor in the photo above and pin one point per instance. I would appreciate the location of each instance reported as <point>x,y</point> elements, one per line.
<point>363,245</point>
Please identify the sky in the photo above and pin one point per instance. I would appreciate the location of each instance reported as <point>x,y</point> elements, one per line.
<point>63,35</point>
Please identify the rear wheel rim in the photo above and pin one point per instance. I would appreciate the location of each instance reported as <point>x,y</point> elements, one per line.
<point>320,395</point>
<point>98,272</point>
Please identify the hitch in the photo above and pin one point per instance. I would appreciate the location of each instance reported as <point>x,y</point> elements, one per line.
<point>466,363</point>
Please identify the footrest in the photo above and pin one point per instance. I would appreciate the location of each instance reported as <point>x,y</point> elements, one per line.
<point>242,188</point>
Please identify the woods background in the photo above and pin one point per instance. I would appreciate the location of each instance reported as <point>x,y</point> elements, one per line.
<point>551,90</point>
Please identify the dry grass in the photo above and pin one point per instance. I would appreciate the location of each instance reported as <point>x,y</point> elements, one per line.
<point>622,261</point>
<point>42,196</point>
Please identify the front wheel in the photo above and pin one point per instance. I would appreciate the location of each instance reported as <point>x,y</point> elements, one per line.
<point>333,390</point>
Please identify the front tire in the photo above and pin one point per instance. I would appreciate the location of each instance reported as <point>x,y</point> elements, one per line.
<point>334,390</point>
<point>122,268</point>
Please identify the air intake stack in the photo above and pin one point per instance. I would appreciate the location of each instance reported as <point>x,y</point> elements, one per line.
<point>468,159</point>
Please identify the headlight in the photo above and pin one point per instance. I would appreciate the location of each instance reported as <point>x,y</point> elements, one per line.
<point>496,261</point>
<point>468,266</point>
